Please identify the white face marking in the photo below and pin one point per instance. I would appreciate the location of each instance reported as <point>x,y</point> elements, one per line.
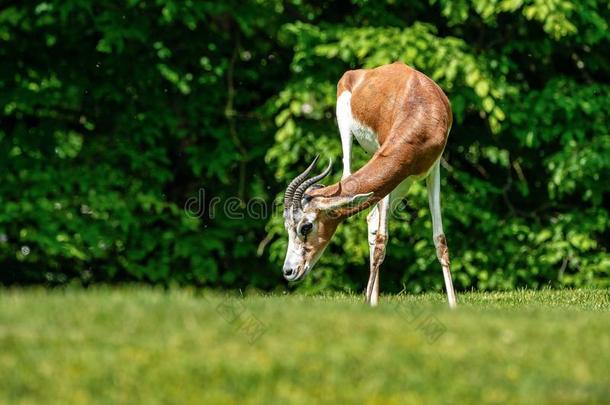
<point>296,254</point>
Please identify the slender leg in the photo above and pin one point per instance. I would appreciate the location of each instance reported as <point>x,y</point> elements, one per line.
<point>442,251</point>
<point>377,222</point>
<point>344,120</point>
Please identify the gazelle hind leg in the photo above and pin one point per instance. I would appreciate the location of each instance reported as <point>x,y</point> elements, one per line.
<point>433,182</point>
<point>344,121</point>
<point>377,222</point>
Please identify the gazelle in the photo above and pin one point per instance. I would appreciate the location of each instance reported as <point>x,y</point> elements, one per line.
<point>401,117</point>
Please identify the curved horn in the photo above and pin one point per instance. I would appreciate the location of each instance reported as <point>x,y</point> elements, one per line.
<point>298,194</point>
<point>288,195</point>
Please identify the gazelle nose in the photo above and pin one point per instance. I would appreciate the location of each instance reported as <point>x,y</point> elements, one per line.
<point>288,272</point>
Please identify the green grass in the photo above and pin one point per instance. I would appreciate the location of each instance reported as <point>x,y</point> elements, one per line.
<point>148,346</point>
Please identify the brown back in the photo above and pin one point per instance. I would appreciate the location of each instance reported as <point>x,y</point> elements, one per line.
<point>410,115</point>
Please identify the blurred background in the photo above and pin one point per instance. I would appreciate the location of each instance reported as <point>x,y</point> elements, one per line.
<point>152,141</point>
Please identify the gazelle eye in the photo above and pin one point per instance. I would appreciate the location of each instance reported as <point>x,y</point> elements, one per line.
<point>305,228</point>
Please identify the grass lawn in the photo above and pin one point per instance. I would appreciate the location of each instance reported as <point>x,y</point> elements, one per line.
<point>148,346</point>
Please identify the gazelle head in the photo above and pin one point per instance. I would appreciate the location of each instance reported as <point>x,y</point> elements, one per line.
<point>311,221</point>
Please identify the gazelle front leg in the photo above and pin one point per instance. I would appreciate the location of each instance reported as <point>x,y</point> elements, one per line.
<point>433,182</point>
<point>344,121</point>
<point>377,221</point>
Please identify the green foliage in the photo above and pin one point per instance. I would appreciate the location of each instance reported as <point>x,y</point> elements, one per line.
<point>526,164</point>
<point>112,117</point>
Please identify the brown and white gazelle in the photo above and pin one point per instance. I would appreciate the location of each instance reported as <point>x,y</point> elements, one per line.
<point>403,118</point>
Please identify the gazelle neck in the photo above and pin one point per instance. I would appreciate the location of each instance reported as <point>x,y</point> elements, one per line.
<point>378,176</point>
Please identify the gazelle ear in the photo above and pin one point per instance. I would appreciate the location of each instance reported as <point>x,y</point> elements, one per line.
<point>333,203</point>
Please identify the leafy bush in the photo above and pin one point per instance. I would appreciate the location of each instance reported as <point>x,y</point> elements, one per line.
<point>112,119</point>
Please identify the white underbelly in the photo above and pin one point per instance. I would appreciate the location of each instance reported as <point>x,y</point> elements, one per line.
<point>366,137</point>
<point>403,188</point>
